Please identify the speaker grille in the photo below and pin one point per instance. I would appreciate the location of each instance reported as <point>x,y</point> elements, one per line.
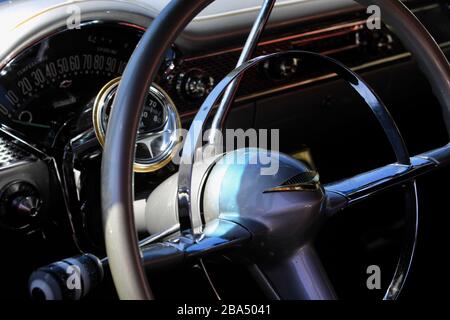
<point>11,154</point>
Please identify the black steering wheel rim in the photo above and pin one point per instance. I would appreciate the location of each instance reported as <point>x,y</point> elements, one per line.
<point>117,177</point>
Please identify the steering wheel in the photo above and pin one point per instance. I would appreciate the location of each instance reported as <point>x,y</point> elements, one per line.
<point>276,237</point>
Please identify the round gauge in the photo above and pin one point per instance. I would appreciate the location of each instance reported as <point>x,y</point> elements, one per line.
<point>158,134</point>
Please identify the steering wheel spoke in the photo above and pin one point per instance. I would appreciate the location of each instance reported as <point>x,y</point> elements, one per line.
<point>299,276</point>
<point>352,190</point>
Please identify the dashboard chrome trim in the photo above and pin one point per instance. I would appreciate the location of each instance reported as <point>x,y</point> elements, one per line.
<point>314,80</point>
<point>318,31</point>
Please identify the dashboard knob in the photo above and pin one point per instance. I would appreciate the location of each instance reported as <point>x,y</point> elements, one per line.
<point>376,42</point>
<point>194,84</point>
<point>281,68</point>
<point>26,206</point>
<point>20,203</point>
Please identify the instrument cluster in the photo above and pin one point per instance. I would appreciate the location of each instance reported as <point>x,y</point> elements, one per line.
<point>64,85</point>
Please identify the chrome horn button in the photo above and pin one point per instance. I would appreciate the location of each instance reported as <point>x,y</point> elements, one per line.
<point>252,187</point>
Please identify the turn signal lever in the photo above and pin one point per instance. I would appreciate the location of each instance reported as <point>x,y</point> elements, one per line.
<point>69,279</point>
<point>73,278</point>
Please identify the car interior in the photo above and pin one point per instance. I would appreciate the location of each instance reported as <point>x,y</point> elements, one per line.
<point>105,103</point>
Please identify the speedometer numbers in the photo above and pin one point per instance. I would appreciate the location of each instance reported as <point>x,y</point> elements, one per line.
<point>154,115</point>
<point>158,134</point>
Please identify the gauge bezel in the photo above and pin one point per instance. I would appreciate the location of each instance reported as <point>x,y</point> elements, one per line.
<point>170,112</point>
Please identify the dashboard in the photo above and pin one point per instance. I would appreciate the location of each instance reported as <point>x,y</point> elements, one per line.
<point>48,90</point>
<point>57,87</point>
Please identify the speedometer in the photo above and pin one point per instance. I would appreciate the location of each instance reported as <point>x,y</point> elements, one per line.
<point>159,133</point>
<point>50,82</point>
